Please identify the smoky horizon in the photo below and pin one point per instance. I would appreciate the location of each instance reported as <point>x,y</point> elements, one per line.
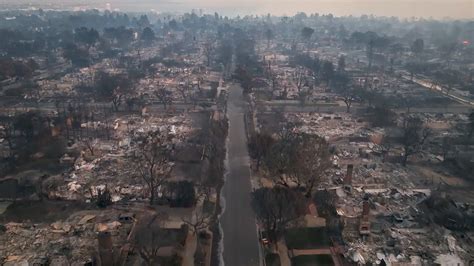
<point>435,9</point>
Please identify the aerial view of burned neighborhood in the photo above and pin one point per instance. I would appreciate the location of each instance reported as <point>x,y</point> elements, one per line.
<point>236,133</point>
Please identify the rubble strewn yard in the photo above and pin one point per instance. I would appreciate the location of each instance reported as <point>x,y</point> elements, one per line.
<point>383,206</point>
<point>83,145</point>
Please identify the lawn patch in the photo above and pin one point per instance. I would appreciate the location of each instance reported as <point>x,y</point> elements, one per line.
<point>312,260</point>
<point>307,238</point>
<point>272,259</point>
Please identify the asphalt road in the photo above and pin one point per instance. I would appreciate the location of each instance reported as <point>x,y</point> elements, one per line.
<point>238,220</point>
<point>428,84</point>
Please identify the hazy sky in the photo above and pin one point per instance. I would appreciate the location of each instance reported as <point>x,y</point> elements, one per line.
<point>401,8</point>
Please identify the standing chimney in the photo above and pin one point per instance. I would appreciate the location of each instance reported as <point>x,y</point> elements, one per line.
<point>106,253</point>
<point>365,207</point>
<point>348,177</point>
<point>364,227</point>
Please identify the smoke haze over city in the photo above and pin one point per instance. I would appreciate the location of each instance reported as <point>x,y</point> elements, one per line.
<point>458,9</point>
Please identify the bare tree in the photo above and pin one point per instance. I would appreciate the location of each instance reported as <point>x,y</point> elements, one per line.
<point>278,160</point>
<point>414,137</point>
<point>183,89</point>
<point>298,158</point>
<point>119,94</point>
<point>348,97</point>
<point>164,96</point>
<point>200,220</point>
<point>149,236</point>
<point>259,146</point>
<point>90,144</point>
<point>151,160</point>
<point>312,160</point>
<point>326,202</point>
<point>341,83</point>
<point>275,208</point>
<point>113,87</point>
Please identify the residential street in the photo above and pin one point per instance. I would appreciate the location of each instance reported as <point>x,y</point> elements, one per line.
<point>238,221</point>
